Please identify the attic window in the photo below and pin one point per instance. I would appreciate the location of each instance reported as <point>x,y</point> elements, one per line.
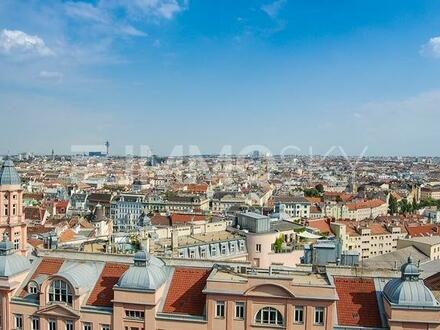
<point>32,288</point>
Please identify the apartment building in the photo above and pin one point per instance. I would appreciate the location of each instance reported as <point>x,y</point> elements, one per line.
<point>430,192</point>
<point>369,239</point>
<point>369,209</point>
<point>126,211</point>
<point>297,207</point>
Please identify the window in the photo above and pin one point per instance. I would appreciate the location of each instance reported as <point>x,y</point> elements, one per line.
<point>60,291</point>
<point>269,315</point>
<point>16,243</point>
<point>35,323</point>
<point>239,310</point>
<point>18,321</point>
<point>258,247</point>
<point>299,314</point>
<point>319,315</point>
<point>32,288</point>
<point>105,327</point>
<point>69,325</point>
<point>138,315</point>
<point>87,326</point>
<point>52,324</point>
<point>203,253</point>
<point>14,209</point>
<point>220,309</point>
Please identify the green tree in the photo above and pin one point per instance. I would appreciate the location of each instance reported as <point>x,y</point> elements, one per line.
<point>279,244</point>
<point>320,188</point>
<point>313,192</point>
<point>405,207</point>
<point>392,205</point>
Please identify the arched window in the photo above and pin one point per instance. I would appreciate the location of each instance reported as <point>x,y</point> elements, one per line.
<point>269,315</point>
<point>32,288</point>
<point>60,291</point>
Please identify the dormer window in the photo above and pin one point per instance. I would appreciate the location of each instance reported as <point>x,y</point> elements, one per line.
<point>32,288</point>
<point>60,291</point>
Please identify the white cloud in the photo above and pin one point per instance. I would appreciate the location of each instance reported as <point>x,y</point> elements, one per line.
<point>51,75</point>
<point>431,48</point>
<point>273,9</point>
<point>102,18</point>
<point>139,9</point>
<point>87,11</point>
<point>18,42</point>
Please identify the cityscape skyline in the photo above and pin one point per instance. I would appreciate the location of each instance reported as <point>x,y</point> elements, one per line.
<point>272,73</point>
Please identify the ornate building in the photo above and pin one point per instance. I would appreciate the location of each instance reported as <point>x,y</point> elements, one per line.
<point>12,218</point>
<point>85,291</point>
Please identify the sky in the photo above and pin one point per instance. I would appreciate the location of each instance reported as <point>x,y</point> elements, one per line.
<point>284,74</point>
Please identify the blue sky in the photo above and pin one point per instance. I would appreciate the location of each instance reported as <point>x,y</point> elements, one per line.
<point>212,73</point>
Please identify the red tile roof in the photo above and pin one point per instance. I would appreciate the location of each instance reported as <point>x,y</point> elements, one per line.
<point>47,266</point>
<point>422,230</point>
<point>433,282</point>
<point>323,225</point>
<point>357,305</point>
<point>177,218</point>
<point>185,293</point>
<point>368,204</point>
<point>102,294</point>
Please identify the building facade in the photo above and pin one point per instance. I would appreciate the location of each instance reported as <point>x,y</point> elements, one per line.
<point>12,217</point>
<point>83,291</point>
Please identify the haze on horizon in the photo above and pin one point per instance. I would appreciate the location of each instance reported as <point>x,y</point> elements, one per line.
<point>189,72</point>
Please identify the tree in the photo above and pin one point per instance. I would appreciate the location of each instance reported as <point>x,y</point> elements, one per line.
<point>415,206</point>
<point>279,244</point>
<point>392,205</point>
<point>313,192</point>
<point>320,188</point>
<point>405,207</point>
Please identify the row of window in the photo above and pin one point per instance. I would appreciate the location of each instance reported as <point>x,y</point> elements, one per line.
<point>137,315</point>
<point>270,315</point>
<point>53,325</point>
<point>14,210</point>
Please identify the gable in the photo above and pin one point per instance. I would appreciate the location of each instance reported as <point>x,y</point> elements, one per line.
<point>58,310</point>
<point>269,290</point>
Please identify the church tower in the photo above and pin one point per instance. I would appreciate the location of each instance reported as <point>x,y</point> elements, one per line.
<point>12,223</point>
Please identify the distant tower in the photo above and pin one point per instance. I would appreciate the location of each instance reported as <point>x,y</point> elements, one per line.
<point>53,155</point>
<point>107,146</point>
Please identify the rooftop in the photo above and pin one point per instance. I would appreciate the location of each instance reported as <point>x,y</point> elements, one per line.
<point>357,305</point>
<point>185,294</point>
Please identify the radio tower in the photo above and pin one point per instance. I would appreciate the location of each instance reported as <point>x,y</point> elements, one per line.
<point>107,146</point>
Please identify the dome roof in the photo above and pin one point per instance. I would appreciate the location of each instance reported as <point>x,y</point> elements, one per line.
<point>409,289</point>
<point>147,273</point>
<point>11,263</point>
<point>8,174</point>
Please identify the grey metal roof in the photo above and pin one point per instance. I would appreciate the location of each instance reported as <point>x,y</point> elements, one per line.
<point>398,257</point>
<point>147,273</point>
<point>8,174</point>
<point>81,274</point>
<point>409,289</point>
<point>11,263</point>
